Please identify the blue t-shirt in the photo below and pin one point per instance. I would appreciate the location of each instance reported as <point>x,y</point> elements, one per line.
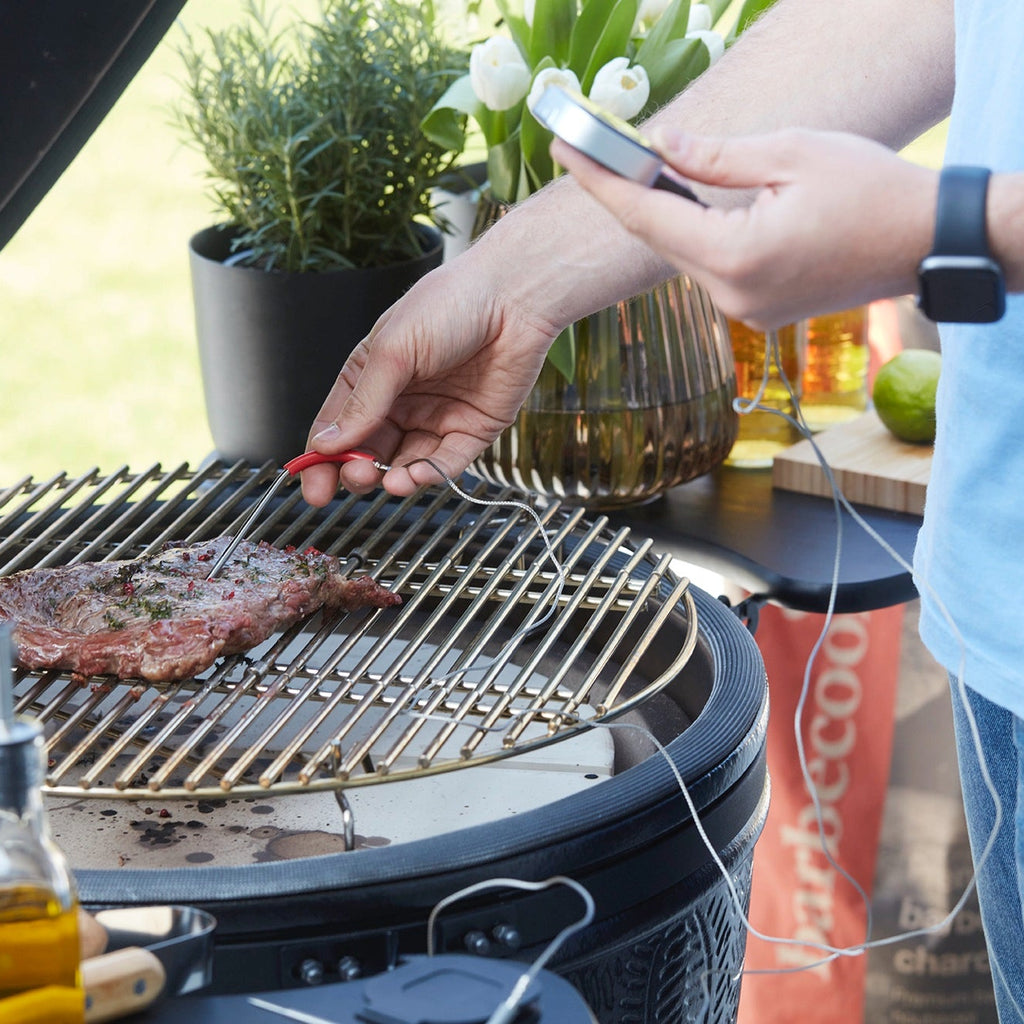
<point>970,553</point>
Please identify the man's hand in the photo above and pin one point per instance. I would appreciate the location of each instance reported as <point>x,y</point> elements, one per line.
<point>836,220</point>
<point>441,374</point>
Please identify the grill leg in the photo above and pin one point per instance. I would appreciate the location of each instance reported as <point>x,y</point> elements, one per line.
<point>348,819</point>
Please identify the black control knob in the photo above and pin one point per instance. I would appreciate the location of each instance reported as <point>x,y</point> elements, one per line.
<point>311,972</point>
<point>349,969</point>
<point>508,936</point>
<point>477,943</point>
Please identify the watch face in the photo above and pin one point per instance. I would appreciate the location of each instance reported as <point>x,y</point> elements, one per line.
<point>957,289</point>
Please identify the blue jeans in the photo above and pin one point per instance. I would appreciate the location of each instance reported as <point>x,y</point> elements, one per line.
<point>1001,878</point>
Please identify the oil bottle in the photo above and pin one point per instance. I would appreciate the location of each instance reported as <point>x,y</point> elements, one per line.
<point>39,949</point>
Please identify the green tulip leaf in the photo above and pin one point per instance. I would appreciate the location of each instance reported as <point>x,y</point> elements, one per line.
<point>503,165</point>
<point>538,166</point>
<point>553,22</point>
<point>562,354</point>
<point>672,67</point>
<point>670,26</point>
<point>613,40</point>
<point>517,27</point>
<point>749,13</point>
<point>445,125</point>
<point>586,32</point>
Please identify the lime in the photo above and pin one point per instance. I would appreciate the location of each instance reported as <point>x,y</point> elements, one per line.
<point>904,394</point>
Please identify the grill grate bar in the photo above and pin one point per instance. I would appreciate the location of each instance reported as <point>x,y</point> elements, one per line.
<point>577,602</point>
<point>264,699</point>
<point>58,529</point>
<point>294,706</point>
<point>200,514</point>
<point>680,592</point>
<point>118,533</point>
<point>352,543</point>
<point>30,527</point>
<point>428,545</point>
<point>243,760</point>
<point>85,718</point>
<point>161,743</point>
<point>571,706</point>
<point>231,698</point>
<point>125,737</point>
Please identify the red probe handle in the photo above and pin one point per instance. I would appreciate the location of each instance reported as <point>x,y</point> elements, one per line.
<point>307,459</point>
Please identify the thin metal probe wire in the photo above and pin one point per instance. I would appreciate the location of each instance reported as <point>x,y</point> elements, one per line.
<point>243,531</point>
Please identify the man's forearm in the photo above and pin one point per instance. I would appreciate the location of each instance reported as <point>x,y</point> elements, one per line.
<point>871,67</point>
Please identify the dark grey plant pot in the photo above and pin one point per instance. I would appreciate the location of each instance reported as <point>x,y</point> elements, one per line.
<point>272,343</point>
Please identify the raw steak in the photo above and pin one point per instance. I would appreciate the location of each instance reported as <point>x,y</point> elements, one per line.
<point>158,618</point>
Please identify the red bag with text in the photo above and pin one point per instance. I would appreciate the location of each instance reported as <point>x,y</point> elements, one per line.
<point>847,727</point>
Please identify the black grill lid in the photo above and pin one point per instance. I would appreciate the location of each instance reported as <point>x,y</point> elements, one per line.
<point>63,65</point>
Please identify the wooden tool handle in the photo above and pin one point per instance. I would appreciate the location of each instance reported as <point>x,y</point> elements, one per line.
<point>120,983</point>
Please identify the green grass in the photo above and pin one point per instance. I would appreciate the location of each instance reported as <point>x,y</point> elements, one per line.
<point>99,359</point>
<point>99,363</point>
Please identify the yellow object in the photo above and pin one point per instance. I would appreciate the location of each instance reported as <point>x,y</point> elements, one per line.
<point>764,434</point>
<point>39,946</point>
<point>51,1004</point>
<point>835,372</point>
<point>904,394</point>
<point>38,939</point>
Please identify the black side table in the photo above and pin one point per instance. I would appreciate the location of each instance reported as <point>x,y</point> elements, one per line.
<point>777,544</point>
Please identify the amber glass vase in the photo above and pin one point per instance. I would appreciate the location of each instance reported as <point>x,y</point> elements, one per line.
<point>649,406</point>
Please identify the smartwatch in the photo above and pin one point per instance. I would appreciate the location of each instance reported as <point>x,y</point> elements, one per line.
<point>959,281</point>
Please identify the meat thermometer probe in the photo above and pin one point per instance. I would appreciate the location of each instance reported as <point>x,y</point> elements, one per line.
<point>291,468</point>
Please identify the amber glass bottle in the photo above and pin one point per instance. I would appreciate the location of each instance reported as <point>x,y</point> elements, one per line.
<point>835,375</point>
<point>763,434</point>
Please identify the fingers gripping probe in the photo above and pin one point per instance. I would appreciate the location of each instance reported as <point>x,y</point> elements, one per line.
<point>291,468</point>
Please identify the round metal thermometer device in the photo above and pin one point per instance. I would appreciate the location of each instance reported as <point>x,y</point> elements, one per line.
<point>605,138</point>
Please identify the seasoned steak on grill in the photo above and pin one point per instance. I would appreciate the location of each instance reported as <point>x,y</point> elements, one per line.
<point>159,618</point>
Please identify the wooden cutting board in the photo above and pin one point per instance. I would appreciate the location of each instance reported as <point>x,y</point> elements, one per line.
<point>870,465</point>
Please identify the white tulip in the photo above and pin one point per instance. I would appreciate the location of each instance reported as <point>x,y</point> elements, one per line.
<point>551,76</point>
<point>651,10</point>
<point>700,18</point>
<point>712,40</point>
<point>499,75</point>
<point>528,7</point>
<point>620,89</point>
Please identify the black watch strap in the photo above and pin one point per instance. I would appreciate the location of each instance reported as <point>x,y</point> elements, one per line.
<point>960,213</point>
<point>959,281</point>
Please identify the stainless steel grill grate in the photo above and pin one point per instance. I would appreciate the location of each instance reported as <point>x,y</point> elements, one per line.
<point>360,698</point>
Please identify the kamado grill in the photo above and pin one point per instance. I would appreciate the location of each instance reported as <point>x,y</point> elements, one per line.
<point>322,794</point>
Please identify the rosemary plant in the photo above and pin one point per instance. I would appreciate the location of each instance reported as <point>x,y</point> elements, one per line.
<point>312,132</point>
